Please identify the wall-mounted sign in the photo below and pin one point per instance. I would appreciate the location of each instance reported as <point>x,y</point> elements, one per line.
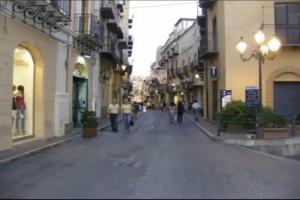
<point>226,96</point>
<point>252,96</point>
<point>213,71</point>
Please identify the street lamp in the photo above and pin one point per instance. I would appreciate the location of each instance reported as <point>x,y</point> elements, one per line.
<point>263,52</point>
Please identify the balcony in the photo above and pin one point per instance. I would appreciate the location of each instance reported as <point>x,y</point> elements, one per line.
<point>206,3</point>
<point>199,81</point>
<point>175,51</point>
<point>179,72</point>
<point>45,15</point>
<point>120,4</point>
<point>188,85</point>
<point>289,34</point>
<point>120,33</point>
<point>198,66</point>
<point>123,43</point>
<point>89,30</point>
<point>107,11</point>
<point>208,46</point>
<point>112,25</point>
<point>109,48</point>
<point>169,54</point>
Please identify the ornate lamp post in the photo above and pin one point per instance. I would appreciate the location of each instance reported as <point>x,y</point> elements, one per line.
<point>264,51</point>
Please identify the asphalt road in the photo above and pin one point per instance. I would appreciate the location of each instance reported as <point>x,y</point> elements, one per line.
<point>155,160</point>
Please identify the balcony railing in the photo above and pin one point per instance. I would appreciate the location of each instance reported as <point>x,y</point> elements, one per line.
<point>107,11</point>
<point>120,4</point>
<point>89,30</point>
<point>208,46</point>
<point>45,15</point>
<point>109,47</point>
<point>289,34</point>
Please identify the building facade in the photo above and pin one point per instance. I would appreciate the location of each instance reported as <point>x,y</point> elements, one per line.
<point>50,58</point>
<point>179,56</point>
<point>115,68</point>
<point>220,32</point>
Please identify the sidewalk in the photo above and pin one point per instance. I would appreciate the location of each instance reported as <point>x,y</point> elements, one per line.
<point>282,147</point>
<point>29,147</point>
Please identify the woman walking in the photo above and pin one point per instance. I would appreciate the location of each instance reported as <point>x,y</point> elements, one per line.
<point>113,110</point>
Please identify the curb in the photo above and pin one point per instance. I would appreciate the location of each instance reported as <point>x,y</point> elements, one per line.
<point>42,148</point>
<point>206,132</point>
<point>238,144</point>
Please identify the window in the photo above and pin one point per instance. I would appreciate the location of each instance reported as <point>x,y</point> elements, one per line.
<point>287,22</point>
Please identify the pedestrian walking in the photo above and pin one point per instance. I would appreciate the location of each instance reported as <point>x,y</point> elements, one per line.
<point>196,110</point>
<point>113,110</point>
<point>180,111</point>
<point>135,109</point>
<point>127,112</point>
<point>172,112</point>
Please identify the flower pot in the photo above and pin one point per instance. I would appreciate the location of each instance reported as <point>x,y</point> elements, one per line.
<point>89,132</point>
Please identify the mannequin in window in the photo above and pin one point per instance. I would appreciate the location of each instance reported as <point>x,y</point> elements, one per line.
<point>20,104</point>
<point>14,108</point>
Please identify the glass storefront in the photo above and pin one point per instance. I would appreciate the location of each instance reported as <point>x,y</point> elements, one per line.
<point>22,94</point>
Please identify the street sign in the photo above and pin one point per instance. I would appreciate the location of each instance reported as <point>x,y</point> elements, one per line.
<point>226,96</point>
<point>252,97</point>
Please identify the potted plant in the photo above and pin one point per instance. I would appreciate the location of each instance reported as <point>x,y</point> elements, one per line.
<point>89,123</point>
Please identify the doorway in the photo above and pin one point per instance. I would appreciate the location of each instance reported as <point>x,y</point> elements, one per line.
<point>80,99</point>
<point>23,94</point>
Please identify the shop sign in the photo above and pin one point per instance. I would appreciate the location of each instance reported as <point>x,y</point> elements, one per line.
<point>226,96</point>
<point>252,96</point>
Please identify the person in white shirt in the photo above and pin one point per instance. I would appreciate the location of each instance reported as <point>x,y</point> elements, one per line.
<point>113,110</point>
<point>196,110</point>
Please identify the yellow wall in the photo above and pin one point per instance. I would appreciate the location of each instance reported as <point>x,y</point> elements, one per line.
<point>241,74</point>
<point>243,18</point>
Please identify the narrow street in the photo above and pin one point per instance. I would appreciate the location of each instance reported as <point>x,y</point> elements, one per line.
<point>155,160</point>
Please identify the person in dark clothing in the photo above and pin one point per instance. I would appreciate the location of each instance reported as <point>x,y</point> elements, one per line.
<point>135,110</point>
<point>180,110</point>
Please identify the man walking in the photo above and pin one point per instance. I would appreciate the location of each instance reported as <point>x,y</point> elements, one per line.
<point>113,110</point>
<point>127,110</point>
<point>180,110</point>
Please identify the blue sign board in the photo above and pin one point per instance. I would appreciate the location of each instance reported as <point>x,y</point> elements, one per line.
<point>225,97</point>
<point>252,97</point>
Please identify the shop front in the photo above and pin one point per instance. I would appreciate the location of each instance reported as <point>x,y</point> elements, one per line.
<point>23,94</point>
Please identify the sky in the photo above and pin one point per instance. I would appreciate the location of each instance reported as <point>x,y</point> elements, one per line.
<point>153,21</point>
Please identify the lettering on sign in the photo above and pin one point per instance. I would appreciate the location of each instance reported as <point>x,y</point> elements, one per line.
<point>252,97</point>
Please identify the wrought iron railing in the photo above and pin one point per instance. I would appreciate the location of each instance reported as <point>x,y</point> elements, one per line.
<point>90,25</point>
<point>45,15</point>
<point>208,43</point>
<point>109,46</point>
